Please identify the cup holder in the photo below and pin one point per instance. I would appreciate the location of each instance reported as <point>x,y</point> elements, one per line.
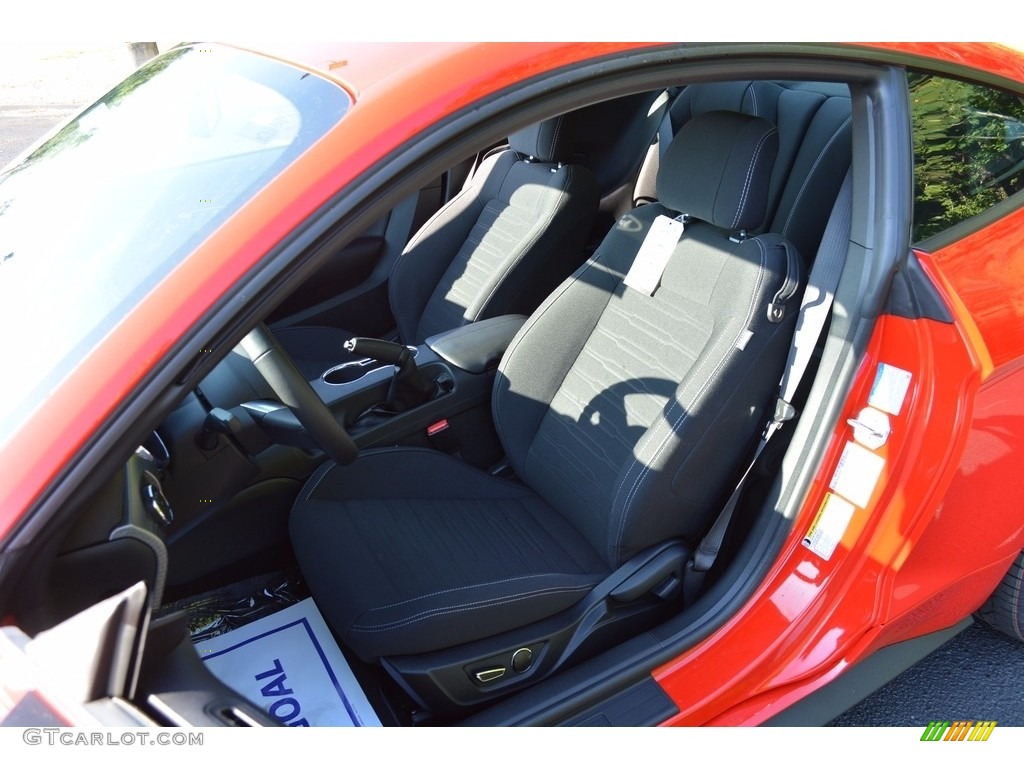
<point>348,372</point>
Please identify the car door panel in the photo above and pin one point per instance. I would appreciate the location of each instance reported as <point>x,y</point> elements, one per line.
<point>346,270</point>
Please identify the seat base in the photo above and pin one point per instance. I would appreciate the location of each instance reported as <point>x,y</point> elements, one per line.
<point>636,596</point>
<point>410,550</point>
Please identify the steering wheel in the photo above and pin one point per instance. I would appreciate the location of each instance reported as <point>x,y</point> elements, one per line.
<point>294,391</point>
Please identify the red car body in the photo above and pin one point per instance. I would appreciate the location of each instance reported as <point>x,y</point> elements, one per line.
<point>942,527</point>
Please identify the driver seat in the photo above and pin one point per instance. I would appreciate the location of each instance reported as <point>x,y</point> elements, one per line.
<point>625,418</point>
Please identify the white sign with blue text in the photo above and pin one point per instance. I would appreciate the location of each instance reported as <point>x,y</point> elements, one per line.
<point>290,665</point>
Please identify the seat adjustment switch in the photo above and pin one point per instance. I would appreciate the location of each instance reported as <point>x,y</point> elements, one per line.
<point>522,660</point>
<point>489,675</point>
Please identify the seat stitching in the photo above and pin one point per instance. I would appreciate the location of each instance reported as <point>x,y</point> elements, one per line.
<point>554,136</point>
<point>445,215</point>
<point>326,469</point>
<point>675,403</point>
<point>373,628</point>
<point>750,174</point>
<point>647,468</point>
<point>533,320</point>
<point>636,484</point>
<point>538,233</point>
<point>458,589</point>
<point>807,178</point>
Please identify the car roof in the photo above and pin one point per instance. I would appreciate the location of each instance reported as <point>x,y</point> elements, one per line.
<point>356,65</point>
<point>359,66</point>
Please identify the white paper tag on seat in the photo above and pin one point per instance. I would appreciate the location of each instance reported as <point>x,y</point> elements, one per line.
<point>655,251</point>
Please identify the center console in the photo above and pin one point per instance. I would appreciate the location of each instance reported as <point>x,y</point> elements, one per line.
<point>366,397</point>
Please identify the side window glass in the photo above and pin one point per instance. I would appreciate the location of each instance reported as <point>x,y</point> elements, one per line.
<point>968,150</point>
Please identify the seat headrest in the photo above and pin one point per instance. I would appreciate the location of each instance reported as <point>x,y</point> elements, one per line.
<point>718,169</point>
<point>546,141</point>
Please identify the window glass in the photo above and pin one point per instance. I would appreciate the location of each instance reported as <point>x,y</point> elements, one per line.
<point>968,150</point>
<point>104,209</point>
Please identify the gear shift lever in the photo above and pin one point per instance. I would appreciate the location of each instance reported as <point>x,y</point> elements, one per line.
<point>409,387</point>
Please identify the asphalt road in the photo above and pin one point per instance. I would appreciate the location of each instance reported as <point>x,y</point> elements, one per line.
<point>44,83</point>
<point>22,124</point>
<point>979,675</point>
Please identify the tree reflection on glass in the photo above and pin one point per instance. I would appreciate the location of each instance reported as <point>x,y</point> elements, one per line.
<point>968,150</point>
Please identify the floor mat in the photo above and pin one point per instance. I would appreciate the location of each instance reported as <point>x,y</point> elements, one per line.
<point>222,610</point>
<point>289,664</point>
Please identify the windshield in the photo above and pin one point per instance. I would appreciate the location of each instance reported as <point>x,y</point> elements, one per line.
<point>98,214</point>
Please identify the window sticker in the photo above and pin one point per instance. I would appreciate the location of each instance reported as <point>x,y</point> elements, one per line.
<point>829,525</point>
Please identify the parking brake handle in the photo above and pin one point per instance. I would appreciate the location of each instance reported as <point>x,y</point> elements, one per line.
<point>379,350</point>
<point>409,387</point>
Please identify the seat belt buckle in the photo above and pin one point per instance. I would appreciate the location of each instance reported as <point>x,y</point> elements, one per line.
<point>443,437</point>
<point>783,412</point>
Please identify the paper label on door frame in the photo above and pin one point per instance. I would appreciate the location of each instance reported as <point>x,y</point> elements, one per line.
<point>889,389</point>
<point>857,474</point>
<point>829,526</point>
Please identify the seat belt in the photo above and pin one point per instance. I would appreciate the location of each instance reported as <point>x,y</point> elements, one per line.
<point>665,132</point>
<point>644,188</point>
<point>399,228</point>
<point>814,310</point>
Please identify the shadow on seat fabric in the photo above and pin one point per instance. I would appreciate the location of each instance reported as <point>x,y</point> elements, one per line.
<point>498,247</point>
<point>625,417</point>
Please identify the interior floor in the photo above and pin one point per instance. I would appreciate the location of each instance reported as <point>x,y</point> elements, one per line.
<point>218,611</point>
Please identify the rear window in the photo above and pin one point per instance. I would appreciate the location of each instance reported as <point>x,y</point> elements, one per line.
<point>968,150</point>
<point>102,211</point>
